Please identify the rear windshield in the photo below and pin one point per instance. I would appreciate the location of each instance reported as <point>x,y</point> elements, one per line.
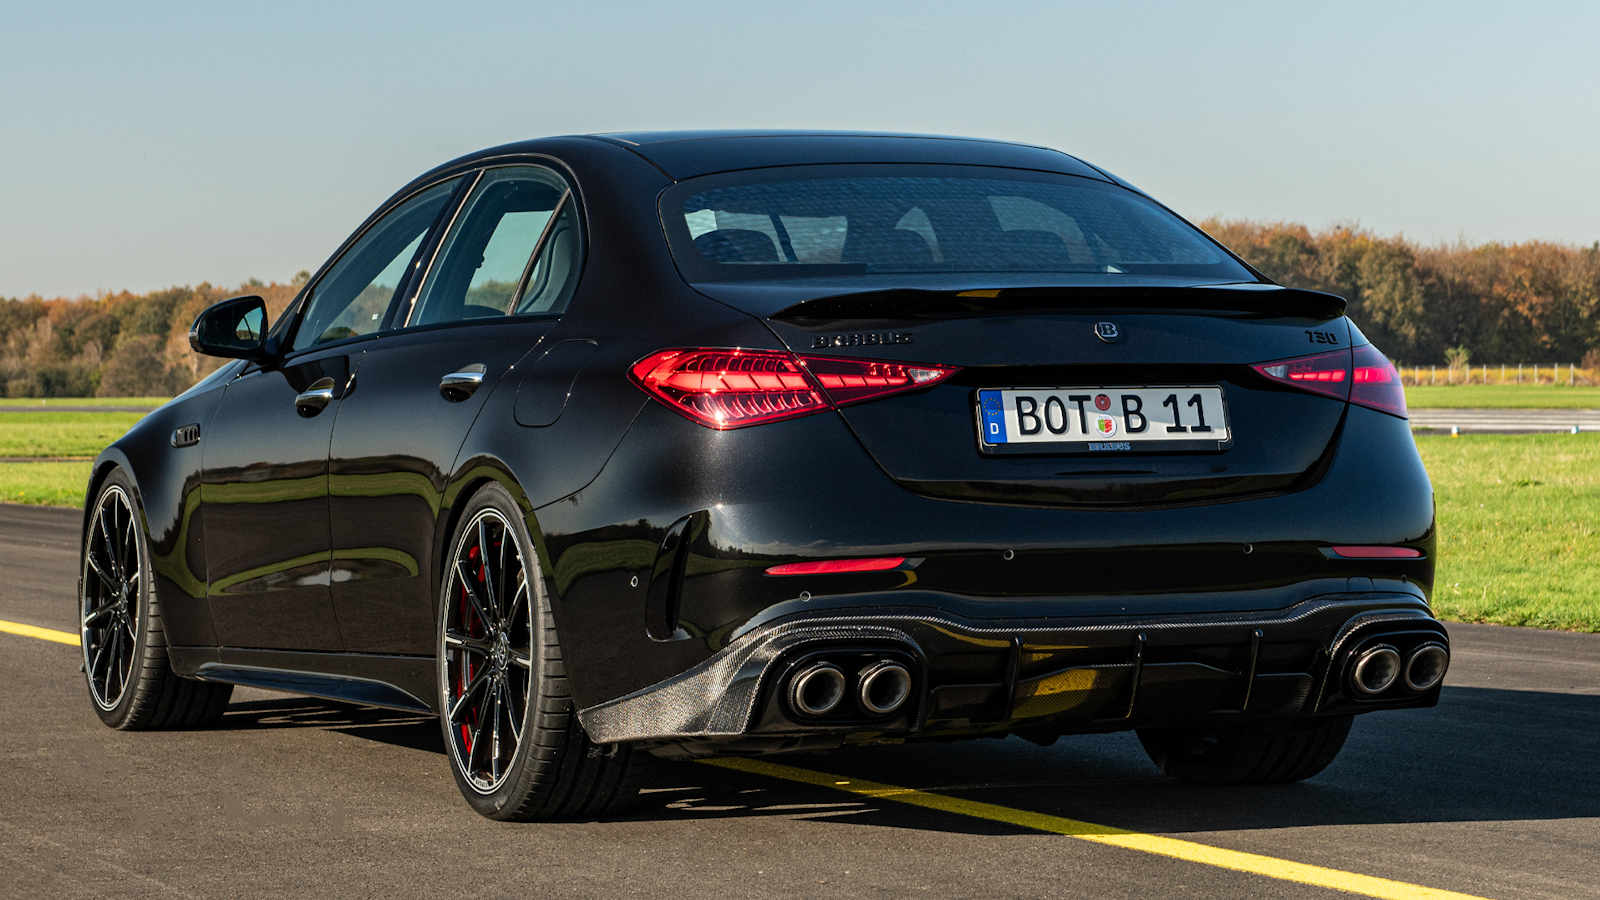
<point>809,221</point>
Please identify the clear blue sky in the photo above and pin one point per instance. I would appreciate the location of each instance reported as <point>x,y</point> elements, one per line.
<point>146,145</point>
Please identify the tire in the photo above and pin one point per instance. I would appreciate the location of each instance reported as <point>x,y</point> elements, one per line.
<point>511,730</point>
<point>131,683</point>
<point>1240,756</point>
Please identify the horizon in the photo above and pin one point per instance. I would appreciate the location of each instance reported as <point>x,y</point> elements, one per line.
<point>179,143</point>
<point>304,274</point>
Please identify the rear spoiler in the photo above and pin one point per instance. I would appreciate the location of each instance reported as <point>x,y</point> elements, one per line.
<point>905,303</point>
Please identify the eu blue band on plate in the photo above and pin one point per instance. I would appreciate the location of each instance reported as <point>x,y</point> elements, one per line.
<point>994,416</point>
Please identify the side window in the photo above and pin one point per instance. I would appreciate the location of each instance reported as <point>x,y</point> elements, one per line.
<point>351,298</point>
<point>513,251</point>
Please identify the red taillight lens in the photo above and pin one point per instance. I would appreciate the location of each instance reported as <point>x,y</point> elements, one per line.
<point>1377,552</point>
<point>1362,376</point>
<point>831,566</point>
<point>725,389</point>
<point>1377,383</point>
<point>730,388</point>
<point>1324,373</point>
<point>854,380</point>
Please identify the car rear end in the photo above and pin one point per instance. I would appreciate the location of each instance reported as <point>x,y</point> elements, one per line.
<point>1019,452</point>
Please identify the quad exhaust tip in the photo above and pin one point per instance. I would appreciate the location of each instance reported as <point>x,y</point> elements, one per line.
<point>1426,667</point>
<point>1376,670</point>
<point>817,689</point>
<point>884,687</point>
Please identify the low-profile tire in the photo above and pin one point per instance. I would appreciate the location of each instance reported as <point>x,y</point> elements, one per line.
<point>131,682</point>
<point>511,730</point>
<point>1246,756</point>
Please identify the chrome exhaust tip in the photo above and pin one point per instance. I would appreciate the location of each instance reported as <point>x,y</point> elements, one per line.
<point>1426,667</point>
<point>1376,670</point>
<point>816,690</point>
<point>885,686</point>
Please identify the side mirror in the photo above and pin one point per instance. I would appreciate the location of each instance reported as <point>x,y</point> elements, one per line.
<point>236,329</point>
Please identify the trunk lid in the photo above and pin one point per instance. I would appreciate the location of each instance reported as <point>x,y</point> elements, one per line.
<point>1043,338</point>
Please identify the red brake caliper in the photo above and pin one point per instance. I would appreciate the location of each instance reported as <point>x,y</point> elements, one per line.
<point>470,624</point>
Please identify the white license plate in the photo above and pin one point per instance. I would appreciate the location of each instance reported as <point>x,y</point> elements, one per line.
<point>1173,417</point>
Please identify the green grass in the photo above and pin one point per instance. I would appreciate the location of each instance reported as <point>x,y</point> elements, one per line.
<point>82,401</point>
<point>1502,396</point>
<point>61,433</point>
<point>1519,528</point>
<point>44,483</point>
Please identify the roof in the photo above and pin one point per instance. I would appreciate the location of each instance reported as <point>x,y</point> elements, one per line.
<point>687,154</point>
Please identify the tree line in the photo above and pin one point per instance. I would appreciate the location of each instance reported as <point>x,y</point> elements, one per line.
<point>115,345</point>
<point>1534,302</point>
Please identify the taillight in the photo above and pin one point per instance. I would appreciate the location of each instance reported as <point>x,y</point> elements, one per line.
<point>730,388</point>
<point>1377,383</point>
<point>854,380</point>
<point>834,566</point>
<point>1362,376</point>
<point>725,389</point>
<point>1324,373</point>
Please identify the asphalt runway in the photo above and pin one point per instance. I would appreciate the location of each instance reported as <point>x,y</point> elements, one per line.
<point>1495,793</point>
<point>1505,421</point>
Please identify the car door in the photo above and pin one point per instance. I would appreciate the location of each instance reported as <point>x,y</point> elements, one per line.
<point>500,279</point>
<point>264,487</point>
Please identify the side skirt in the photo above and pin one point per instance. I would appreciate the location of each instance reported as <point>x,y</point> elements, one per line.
<point>390,682</point>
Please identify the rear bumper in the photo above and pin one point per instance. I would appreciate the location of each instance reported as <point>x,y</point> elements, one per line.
<point>971,677</point>
<point>634,616</point>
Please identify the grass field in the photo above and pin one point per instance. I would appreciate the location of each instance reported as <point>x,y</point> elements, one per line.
<point>61,433</point>
<point>82,401</point>
<point>1498,396</point>
<point>44,483</point>
<point>1519,515</point>
<point>1519,528</point>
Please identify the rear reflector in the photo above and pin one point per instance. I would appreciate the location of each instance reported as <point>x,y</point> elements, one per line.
<point>725,389</point>
<point>1325,373</point>
<point>1376,552</point>
<point>1377,383</point>
<point>832,566</point>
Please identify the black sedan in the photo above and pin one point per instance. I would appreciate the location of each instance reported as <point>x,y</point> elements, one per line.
<point>613,447</point>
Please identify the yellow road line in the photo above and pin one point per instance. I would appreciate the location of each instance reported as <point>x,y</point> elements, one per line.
<point>1101,834</point>
<point>44,634</point>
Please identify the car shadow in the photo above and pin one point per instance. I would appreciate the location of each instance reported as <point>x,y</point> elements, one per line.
<point>1482,755</point>
<point>415,731</point>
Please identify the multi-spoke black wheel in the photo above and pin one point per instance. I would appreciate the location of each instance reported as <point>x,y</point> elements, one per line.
<point>124,648</point>
<point>516,747</point>
<point>487,651</point>
<point>112,588</point>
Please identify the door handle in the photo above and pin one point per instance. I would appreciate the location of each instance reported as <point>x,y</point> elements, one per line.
<point>458,386</point>
<point>315,398</point>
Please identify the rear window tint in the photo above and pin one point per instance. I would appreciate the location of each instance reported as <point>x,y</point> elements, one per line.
<point>831,220</point>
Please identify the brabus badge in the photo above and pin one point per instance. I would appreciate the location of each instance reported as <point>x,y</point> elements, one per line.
<point>861,339</point>
<point>1107,331</point>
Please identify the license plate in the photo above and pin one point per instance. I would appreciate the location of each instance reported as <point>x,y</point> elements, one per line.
<point>1102,419</point>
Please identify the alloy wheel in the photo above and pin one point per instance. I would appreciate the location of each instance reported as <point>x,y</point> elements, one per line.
<point>486,650</point>
<point>113,572</point>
